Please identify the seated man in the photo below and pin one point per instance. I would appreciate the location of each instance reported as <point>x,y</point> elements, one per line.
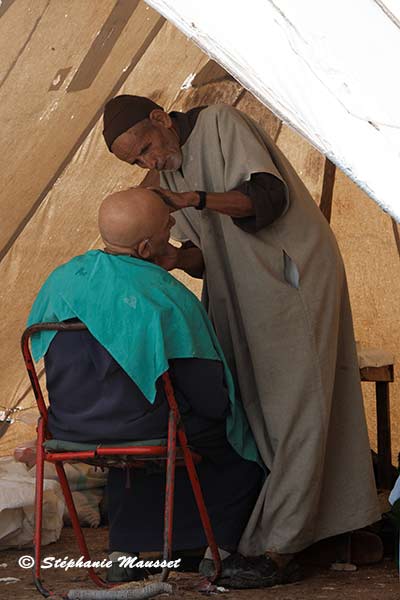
<point>104,385</point>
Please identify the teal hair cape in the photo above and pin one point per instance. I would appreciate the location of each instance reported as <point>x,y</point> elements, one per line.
<point>143,316</point>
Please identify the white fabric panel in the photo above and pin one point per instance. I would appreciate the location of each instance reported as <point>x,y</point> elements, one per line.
<point>325,68</point>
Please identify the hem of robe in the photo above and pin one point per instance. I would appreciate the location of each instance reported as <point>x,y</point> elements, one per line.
<point>250,547</point>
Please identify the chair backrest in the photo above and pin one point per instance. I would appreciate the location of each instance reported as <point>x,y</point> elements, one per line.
<point>29,363</point>
<point>71,327</point>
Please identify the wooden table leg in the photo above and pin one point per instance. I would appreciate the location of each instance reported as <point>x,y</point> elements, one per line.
<point>385,478</point>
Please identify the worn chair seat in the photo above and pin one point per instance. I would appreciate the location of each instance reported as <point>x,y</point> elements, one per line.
<point>65,446</point>
<point>150,453</point>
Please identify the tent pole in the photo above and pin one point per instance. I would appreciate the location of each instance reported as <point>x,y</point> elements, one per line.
<point>327,189</point>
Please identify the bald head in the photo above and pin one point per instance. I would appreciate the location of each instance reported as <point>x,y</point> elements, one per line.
<point>129,219</point>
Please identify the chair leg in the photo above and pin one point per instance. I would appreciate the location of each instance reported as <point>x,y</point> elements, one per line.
<point>37,536</point>
<point>194,480</point>
<point>169,494</point>
<point>76,525</point>
<point>198,494</point>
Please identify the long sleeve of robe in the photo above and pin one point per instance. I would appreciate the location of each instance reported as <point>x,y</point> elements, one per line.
<point>279,302</point>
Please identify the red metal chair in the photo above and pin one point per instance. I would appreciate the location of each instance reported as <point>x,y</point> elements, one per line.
<point>103,456</point>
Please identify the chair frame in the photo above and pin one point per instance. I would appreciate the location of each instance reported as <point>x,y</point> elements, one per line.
<point>132,456</point>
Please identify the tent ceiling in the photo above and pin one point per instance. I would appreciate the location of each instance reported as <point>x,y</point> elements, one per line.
<point>324,67</point>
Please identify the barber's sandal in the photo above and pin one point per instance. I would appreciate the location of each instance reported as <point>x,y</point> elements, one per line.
<point>274,573</point>
<point>241,572</point>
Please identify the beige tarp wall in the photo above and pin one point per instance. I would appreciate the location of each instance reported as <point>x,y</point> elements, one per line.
<point>61,60</point>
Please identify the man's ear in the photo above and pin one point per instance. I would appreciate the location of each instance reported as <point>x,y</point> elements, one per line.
<point>160,116</point>
<point>144,250</point>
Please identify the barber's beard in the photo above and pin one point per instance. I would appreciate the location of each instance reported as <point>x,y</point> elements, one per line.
<point>174,161</point>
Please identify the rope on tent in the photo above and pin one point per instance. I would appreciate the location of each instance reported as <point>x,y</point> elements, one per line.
<point>148,591</point>
<point>8,414</point>
<point>8,417</point>
<point>4,424</point>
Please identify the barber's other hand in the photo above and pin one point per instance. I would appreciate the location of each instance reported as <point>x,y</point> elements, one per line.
<point>176,200</point>
<point>169,260</point>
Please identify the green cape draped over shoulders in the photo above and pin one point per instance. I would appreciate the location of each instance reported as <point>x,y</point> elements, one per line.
<point>143,316</point>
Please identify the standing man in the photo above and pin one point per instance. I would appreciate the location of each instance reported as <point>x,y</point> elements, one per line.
<point>275,289</point>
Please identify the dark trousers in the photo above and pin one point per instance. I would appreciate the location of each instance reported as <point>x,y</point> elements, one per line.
<point>230,486</point>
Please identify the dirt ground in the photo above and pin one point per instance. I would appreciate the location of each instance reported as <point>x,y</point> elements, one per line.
<point>378,582</point>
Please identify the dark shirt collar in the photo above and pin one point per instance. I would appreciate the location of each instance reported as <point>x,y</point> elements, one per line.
<point>185,122</point>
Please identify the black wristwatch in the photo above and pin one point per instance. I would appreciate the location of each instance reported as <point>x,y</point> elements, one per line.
<point>203,200</point>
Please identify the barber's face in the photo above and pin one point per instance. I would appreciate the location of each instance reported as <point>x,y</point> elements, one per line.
<point>150,144</point>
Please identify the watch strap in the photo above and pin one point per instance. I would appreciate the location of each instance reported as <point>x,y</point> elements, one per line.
<point>202,200</point>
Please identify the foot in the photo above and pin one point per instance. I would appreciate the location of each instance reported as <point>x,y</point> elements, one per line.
<point>118,574</point>
<point>278,570</point>
<point>247,573</point>
<point>280,559</point>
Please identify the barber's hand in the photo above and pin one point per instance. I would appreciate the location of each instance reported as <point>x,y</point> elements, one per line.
<point>176,200</point>
<point>169,260</point>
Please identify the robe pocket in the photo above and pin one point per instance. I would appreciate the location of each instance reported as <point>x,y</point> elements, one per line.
<point>290,271</point>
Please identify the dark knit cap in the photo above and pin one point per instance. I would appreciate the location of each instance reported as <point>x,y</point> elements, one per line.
<point>123,112</point>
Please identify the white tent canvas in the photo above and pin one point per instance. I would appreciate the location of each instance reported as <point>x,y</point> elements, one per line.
<point>326,68</point>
